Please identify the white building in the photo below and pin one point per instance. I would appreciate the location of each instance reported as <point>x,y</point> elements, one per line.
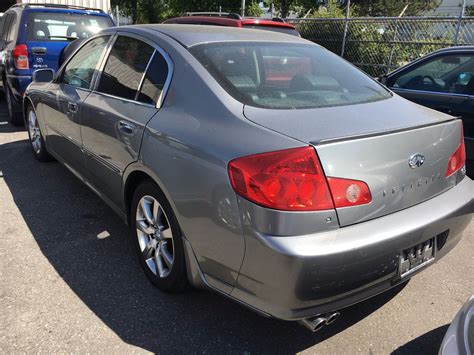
<point>95,4</point>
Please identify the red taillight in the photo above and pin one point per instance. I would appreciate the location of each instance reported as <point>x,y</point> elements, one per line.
<point>290,180</point>
<point>347,192</point>
<point>20,56</point>
<point>458,159</point>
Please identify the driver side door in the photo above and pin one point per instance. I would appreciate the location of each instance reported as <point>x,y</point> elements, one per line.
<point>439,82</point>
<point>62,110</point>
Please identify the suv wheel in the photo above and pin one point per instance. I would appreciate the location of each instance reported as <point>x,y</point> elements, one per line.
<point>36,138</point>
<point>157,238</point>
<point>16,118</point>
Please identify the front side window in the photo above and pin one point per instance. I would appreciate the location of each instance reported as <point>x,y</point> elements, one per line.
<point>125,66</point>
<point>81,68</point>
<point>445,74</point>
<point>286,75</point>
<point>60,26</point>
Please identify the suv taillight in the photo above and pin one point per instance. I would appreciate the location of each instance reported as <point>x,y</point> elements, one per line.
<point>293,180</point>
<point>458,159</point>
<point>20,56</point>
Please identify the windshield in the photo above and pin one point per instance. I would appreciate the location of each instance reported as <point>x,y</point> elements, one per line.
<point>60,26</point>
<point>286,75</point>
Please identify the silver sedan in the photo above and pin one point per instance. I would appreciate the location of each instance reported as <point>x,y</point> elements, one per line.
<point>256,164</point>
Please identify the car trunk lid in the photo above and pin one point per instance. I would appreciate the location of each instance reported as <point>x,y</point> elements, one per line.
<point>374,143</point>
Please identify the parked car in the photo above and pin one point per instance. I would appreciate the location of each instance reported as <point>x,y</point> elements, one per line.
<point>235,20</point>
<point>442,80</point>
<point>459,338</point>
<point>256,164</point>
<point>33,36</point>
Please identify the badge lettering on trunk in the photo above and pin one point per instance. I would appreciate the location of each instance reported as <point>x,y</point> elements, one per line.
<point>416,160</point>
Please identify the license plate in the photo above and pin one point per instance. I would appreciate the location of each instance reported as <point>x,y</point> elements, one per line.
<point>417,257</point>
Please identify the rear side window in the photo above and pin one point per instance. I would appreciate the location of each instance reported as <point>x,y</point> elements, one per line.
<point>125,67</point>
<point>80,70</point>
<point>154,81</point>
<point>60,26</point>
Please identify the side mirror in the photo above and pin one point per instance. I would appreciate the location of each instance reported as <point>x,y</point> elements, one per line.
<point>382,79</point>
<point>43,76</point>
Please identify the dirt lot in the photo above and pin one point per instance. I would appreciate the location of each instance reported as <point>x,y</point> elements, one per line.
<point>69,282</point>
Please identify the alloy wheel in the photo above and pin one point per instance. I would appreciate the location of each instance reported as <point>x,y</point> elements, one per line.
<point>34,130</point>
<point>155,236</point>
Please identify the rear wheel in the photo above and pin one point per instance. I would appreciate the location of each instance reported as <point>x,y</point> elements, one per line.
<point>157,238</point>
<point>36,137</point>
<point>16,118</point>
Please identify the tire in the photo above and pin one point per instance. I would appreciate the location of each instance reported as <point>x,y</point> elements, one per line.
<point>157,238</point>
<point>16,118</point>
<point>36,137</point>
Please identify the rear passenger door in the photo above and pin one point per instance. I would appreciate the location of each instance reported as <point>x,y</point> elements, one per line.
<point>114,116</point>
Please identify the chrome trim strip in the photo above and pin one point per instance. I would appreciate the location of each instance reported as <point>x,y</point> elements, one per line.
<point>123,99</point>
<point>431,92</point>
<point>168,77</point>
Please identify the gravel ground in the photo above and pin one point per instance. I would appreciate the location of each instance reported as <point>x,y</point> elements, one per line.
<point>69,282</point>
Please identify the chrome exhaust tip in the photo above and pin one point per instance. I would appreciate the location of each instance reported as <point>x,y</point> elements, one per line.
<point>331,317</point>
<point>313,324</point>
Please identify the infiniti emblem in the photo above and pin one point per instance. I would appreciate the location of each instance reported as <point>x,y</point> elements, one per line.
<point>416,160</point>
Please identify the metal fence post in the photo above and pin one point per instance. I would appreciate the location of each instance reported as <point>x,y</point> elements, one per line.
<point>346,24</point>
<point>458,26</point>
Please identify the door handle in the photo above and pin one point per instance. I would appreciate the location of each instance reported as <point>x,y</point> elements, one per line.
<point>72,107</point>
<point>38,50</point>
<point>126,127</point>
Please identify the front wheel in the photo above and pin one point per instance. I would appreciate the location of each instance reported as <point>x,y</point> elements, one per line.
<point>36,137</point>
<point>157,238</point>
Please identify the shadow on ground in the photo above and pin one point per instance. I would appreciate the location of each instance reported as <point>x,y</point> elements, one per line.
<point>90,248</point>
<point>428,343</point>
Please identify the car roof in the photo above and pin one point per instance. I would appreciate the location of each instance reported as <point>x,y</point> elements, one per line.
<point>190,35</point>
<point>228,21</point>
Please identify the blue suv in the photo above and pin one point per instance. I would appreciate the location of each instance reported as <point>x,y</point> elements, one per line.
<point>32,37</point>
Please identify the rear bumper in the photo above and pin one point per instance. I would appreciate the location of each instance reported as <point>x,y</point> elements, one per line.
<point>297,277</point>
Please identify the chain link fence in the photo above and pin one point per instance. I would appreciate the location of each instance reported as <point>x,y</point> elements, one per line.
<point>380,44</point>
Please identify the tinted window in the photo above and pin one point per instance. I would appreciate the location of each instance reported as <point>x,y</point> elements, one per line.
<point>125,67</point>
<point>58,26</point>
<point>80,69</point>
<point>287,75</point>
<point>448,74</point>
<point>154,81</point>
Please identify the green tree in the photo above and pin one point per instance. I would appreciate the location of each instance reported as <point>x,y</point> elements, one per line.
<point>394,8</point>
<point>252,9</point>
<point>470,10</point>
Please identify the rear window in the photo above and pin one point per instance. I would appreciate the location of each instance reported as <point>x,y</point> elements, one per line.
<point>59,26</point>
<point>286,30</point>
<point>287,75</point>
